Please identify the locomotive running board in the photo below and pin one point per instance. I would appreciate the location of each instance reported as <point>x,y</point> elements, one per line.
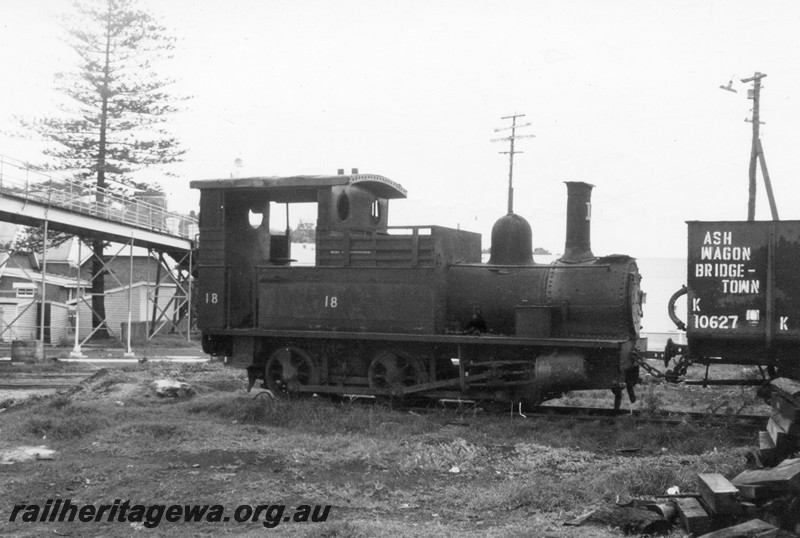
<point>488,340</point>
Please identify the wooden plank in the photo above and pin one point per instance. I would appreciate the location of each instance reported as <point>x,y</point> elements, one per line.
<point>783,478</point>
<point>756,492</point>
<point>719,494</point>
<point>765,441</point>
<point>780,437</point>
<point>787,387</point>
<point>786,424</point>
<point>786,408</point>
<point>750,510</point>
<point>753,528</point>
<point>767,455</point>
<point>693,516</point>
<point>581,519</point>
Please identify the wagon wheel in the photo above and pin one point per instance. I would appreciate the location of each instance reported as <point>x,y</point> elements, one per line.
<point>394,370</point>
<point>289,368</point>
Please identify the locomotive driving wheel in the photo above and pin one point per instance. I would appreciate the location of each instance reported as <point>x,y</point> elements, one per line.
<point>289,368</point>
<point>394,370</point>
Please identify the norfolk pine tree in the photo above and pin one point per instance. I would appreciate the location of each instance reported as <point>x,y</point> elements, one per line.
<point>115,109</point>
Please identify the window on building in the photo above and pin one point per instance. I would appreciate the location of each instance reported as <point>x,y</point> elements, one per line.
<point>26,292</point>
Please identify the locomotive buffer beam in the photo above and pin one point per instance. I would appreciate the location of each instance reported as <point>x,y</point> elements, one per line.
<point>670,351</point>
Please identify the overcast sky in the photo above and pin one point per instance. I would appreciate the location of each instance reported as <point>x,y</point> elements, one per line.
<point>621,94</point>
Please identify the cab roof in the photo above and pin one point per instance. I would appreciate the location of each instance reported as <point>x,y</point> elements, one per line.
<point>296,189</point>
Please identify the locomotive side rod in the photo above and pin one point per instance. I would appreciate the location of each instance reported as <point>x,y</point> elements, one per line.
<point>726,382</point>
<point>398,391</point>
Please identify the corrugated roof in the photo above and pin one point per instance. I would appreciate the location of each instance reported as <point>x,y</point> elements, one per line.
<point>36,278</point>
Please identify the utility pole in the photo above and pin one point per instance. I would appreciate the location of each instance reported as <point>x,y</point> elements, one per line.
<point>757,152</point>
<point>756,80</point>
<point>511,152</point>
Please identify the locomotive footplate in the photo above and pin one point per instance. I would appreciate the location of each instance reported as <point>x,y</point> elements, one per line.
<point>455,339</point>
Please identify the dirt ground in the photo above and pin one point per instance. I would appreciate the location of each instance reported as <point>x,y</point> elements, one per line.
<point>441,472</point>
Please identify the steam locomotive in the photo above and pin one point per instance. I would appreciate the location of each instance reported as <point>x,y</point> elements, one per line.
<point>408,311</point>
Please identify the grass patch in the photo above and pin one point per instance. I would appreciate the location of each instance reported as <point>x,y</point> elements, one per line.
<point>59,401</point>
<point>344,529</point>
<point>155,431</point>
<point>599,436</point>
<point>442,456</point>
<point>652,400</point>
<point>140,430</point>
<point>546,460</point>
<point>109,379</point>
<point>66,422</point>
<point>315,416</point>
<point>546,494</point>
<point>167,341</point>
<point>171,341</point>
<point>643,478</point>
<point>384,471</point>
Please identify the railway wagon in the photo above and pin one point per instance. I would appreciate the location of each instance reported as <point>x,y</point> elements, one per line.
<point>743,296</point>
<point>408,311</point>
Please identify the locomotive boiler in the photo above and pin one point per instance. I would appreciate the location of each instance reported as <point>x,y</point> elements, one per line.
<point>408,311</point>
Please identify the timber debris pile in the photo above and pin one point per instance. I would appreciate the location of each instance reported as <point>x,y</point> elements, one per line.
<point>761,502</point>
<point>768,496</point>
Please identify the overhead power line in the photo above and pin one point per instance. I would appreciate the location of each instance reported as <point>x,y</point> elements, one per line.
<point>511,139</point>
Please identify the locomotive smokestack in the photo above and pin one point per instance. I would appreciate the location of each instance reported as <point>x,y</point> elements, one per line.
<point>578,246</point>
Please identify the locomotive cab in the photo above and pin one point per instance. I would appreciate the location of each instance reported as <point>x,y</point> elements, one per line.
<point>236,238</point>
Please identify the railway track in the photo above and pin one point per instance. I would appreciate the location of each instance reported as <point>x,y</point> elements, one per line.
<point>755,422</point>
<point>750,422</point>
<point>33,381</point>
<point>29,381</point>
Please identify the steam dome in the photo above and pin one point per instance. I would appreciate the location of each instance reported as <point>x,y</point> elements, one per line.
<point>512,241</point>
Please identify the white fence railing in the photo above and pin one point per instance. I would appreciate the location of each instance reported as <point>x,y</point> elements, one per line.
<point>21,180</point>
